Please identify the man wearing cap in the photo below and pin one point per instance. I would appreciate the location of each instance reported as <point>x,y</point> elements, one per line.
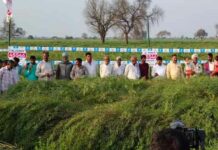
<point>174,70</point>
<point>78,70</point>
<point>45,69</point>
<point>91,65</point>
<point>7,76</point>
<point>64,68</point>
<point>197,67</point>
<point>132,70</point>
<point>106,68</point>
<point>209,65</point>
<point>159,69</point>
<point>118,68</point>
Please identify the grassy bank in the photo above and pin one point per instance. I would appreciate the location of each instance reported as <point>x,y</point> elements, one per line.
<point>105,114</point>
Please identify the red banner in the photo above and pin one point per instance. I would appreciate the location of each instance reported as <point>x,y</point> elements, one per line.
<point>21,54</point>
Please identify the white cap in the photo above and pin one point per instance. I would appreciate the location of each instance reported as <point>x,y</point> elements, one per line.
<point>118,57</point>
<point>194,56</point>
<point>177,124</point>
<point>143,53</point>
<point>65,54</point>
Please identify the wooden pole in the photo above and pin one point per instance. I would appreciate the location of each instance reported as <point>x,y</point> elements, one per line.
<point>148,30</point>
<point>9,32</point>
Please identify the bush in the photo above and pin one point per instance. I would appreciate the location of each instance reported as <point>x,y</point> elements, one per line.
<point>105,114</point>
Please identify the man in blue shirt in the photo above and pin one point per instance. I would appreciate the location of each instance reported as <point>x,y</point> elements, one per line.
<point>30,69</point>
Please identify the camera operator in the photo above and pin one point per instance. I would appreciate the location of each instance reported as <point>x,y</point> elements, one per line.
<point>169,139</point>
<point>178,137</point>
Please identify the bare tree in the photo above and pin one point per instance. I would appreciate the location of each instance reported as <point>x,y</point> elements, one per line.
<point>99,17</point>
<point>84,36</point>
<point>201,33</point>
<point>128,16</point>
<point>31,37</point>
<point>16,32</point>
<point>163,34</point>
<point>20,33</point>
<point>138,33</point>
<point>4,31</point>
<point>152,18</point>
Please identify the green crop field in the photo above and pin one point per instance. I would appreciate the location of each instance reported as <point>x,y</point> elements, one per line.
<point>111,43</point>
<point>164,43</point>
<point>105,114</point>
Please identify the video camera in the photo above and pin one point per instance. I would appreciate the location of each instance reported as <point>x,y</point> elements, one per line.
<point>196,137</point>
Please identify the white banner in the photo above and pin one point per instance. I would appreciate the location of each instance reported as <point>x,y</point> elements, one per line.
<point>151,55</point>
<point>19,53</point>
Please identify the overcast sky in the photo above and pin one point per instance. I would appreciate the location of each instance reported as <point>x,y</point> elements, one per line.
<point>65,17</point>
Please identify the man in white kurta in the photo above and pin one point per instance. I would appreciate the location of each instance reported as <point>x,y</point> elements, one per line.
<point>159,69</point>
<point>106,68</point>
<point>198,69</point>
<point>118,68</point>
<point>45,69</point>
<point>7,77</point>
<point>91,65</point>
<point>132,70</point>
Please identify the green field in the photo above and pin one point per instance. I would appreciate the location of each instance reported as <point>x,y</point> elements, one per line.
<point>111,43</point>
<point>155,43</point>
<point>105,114</point>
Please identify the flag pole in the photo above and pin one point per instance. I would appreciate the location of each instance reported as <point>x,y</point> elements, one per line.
<point>8,4</point>
<point>9,32</point>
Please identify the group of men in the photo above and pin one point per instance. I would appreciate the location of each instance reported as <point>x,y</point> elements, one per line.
<point>191,68</point>
<point>10,71</point>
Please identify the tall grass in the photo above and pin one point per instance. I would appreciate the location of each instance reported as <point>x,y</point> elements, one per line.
<point>105,114</point>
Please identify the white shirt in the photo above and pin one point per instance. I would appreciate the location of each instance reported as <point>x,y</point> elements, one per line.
<point>118,70</point>
<point>92,68</point>
<point>174,71</point>
<point>198,68</point>
<point>160,70</point>
<point>132,71</point>
<point>106,70</point>
<point>6,78</point>
<point>211,66</point>
<point>16,74</point>
<point>44,68</point>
